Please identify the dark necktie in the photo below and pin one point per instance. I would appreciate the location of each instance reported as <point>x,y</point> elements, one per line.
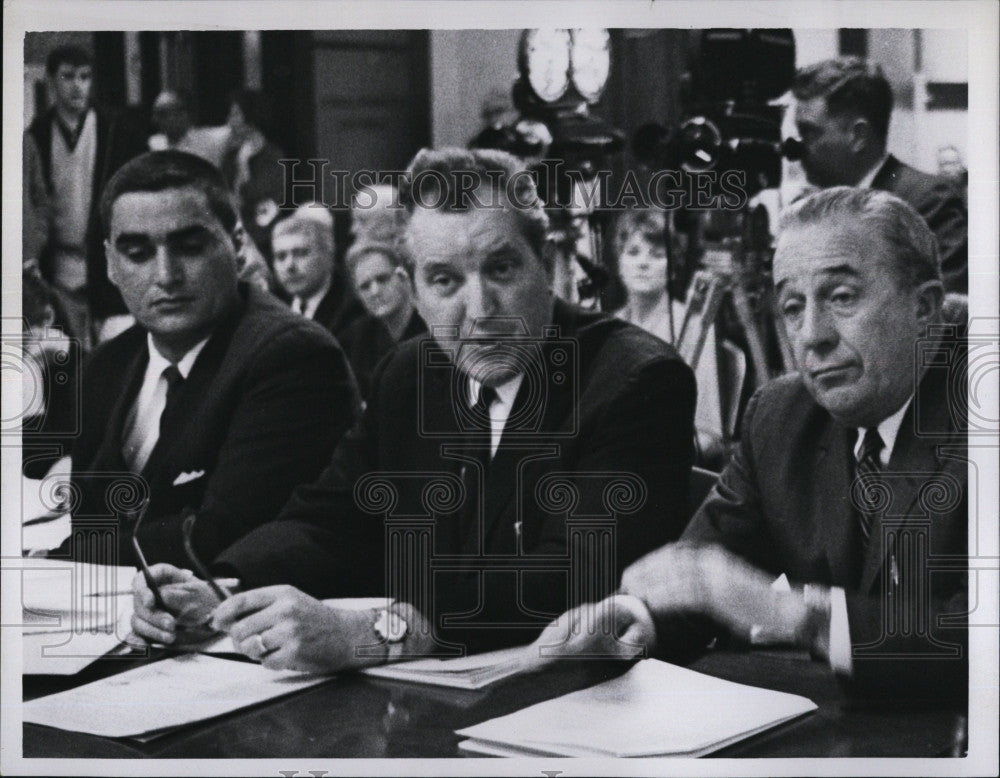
<point>480,442</point>
<point>174,381</point>
<point>868,466</point>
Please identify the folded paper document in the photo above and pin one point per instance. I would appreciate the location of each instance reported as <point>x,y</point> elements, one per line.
<point>467,672</point>
<point>654,709</point>
<point>163,694</point>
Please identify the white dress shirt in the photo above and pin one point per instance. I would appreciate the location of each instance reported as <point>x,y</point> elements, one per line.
<point>142,427</point>
<point>307,307</point>
<point>500,409</point>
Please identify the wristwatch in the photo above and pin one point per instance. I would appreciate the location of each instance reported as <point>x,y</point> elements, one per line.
<point>392,629</point>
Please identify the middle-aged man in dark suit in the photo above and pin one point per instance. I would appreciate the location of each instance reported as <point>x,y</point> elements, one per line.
<point>305,267</point>
<point>78,147</point>
<point>220,400</point>
<point>522,456</point>
<point>851,476</point>
<point>842,112</point>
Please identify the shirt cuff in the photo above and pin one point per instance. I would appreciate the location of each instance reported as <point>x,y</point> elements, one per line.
<point>840,633</point>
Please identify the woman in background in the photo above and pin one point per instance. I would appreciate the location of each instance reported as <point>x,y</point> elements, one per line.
<point>385,289</point>
<point>641,249</point>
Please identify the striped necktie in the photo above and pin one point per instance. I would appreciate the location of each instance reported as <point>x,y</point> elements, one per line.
<point>868,467</point>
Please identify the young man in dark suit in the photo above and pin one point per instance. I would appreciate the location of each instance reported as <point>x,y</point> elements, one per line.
<point>218,401</point>
<point>842,112</point>
<point>851,476</point>
<point>504,467</point>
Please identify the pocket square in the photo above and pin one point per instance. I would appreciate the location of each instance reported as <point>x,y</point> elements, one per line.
<point>186,478</point>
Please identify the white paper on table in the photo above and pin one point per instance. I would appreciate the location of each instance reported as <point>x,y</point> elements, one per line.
<point>62,585</point>
<point>168,693</point>
<point>473,672</point>
<point>38,495</point>
<point>46,535</point>
<point>655,709</point>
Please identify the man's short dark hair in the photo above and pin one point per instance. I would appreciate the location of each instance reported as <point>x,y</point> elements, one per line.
<point>157,171</point>
<point>442,179</point>
<point>879,216</point>
<point>76,56</point>
<point>851,86</point>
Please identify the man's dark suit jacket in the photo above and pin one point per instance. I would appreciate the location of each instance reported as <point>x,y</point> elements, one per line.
<point>265,403</point>
<point>785,504</point>
<point>613,408</point>
<point>366,342</point>
<point>941,204</point>
<point>118,141</point>
<point>339,308</point>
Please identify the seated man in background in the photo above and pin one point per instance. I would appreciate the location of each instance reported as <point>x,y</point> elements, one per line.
<point>386,290</point>
<point>851,477</point>
<point>303,251</point>
<point>503,441</point>
<point>219,400</point>
<point>842,111</point>
<point>172,117</point>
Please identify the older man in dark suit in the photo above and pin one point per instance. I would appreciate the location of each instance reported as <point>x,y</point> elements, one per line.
<point>850,480</point>
<point>842,111</point>
<point>219,401</point>
<point>504,467</point>
<point>302,247</point>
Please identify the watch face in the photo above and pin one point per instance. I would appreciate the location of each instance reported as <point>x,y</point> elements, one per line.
<point>547,60</point>
<point>590,56</point>
<point>390,627</point>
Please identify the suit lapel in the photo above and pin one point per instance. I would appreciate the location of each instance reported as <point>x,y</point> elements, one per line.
<point>885,178</point>
<point>192,399</point>
<point>834,475</point>
<point>914,460</point>
<point>109,455</point>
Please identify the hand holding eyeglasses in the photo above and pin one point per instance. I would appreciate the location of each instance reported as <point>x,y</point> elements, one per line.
<point>187,605</point>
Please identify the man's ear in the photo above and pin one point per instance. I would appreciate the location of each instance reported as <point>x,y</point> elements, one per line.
<point>929,298</point>
<point>111,262</point>
<point>861,133</point>
<point>240,241</point>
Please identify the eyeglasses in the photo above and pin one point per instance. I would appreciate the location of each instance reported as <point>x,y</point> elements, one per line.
<point>188,528</point>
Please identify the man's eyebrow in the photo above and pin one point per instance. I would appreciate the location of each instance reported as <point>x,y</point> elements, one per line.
<point>437,265</point>
<point>836,270</point>
<point>503,251</point>
<point>131,237</point>
<point>194,231</point>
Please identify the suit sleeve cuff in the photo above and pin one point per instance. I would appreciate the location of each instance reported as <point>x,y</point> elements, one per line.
<point>840,634</point>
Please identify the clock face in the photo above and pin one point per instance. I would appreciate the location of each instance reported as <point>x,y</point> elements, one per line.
<point>547,59</point>
<point>591,59</point>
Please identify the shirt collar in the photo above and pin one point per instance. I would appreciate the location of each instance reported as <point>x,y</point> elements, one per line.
<point>888,430</point>
<point>506,392</point>
<point>311,303</point>
<point>158,363</point>
<point>866,180</point>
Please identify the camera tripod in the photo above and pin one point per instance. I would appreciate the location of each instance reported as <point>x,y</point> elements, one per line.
<point>733,290</point>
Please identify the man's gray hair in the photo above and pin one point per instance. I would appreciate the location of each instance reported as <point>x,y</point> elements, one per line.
<point>881,215</point>
<point>303,224</point>
<point>439,178</point>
